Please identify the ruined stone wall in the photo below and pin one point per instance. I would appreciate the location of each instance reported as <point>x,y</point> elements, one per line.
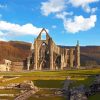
<point>54,57</point>
<point>17,66</point>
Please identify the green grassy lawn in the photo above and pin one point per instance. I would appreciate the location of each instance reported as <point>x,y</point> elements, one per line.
<point>47,98</point>
<point>59,83</point>
<point>50,79</point>
<point>45,92</point>
<point>24,78</point>
<point>49,83</point>
<point>95,97</point>
<point>87,81</point>
<point>10,91</point>
<point>6,98</point>
<point>78,75</point>
<point>54,73</point>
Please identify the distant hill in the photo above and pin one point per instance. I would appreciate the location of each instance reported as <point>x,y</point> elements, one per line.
<point>18,50</point>
<point>14,50</point>
<point>90,55</point>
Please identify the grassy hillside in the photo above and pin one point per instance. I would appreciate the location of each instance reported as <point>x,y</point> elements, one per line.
<point>90,55</point>
<point>14,50</point>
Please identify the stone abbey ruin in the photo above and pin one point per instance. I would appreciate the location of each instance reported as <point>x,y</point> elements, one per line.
<point>46,55</point>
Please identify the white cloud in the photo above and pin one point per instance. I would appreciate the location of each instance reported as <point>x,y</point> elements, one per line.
<point>80,23</point>
<point>84,4</point>
<point>63,15</point>
<point>94,9</point>
<point>8,28</point>
<point>52,6</point>
<point>76,24</point>
<point>2,36</point>
<point>3,39</point>
<point>88,9</point>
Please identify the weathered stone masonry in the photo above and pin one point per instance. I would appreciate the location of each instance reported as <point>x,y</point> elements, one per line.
<point>45,54</point>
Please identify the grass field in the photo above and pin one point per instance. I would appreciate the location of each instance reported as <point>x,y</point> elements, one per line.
<point>51,79</point>
<point>54,73</point>
<point>49,83</point>
<point>47,98</point>
<point>6,98</point>
<point>78,75</point>
<point>46,92</point>
<point>95,97</point>
<point>9,91</point>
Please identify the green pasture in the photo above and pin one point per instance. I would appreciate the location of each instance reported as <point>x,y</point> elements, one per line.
<point>50,79</point>
<point>9,91</point>
<point>47,98</point>
<point>95,97</point>
<point>53,73</point>
<point>49,83</point>
<point>6,98</point>
<point>79,76</point>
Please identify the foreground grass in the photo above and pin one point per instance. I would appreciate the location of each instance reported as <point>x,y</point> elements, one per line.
<point>9,91</point>
<point>40,95</point>
<point>47,98</point>
<point>49,83</point>
<point>87,81</point>
<point>23,78</point>
<point>7,98</point>
<point>51,79</point>
<point>59,83</point>
<point>79,75</point>
<point>38,78</point>
<point>54,73</point>
<point>95,97</point>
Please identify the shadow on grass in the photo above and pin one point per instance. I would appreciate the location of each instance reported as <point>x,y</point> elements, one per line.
<point>87,82</point>
<point>95,96</point>
<point>49,83</point>
<point>47,98</point>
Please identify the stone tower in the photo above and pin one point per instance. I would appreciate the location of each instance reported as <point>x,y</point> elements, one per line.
<point>71,57</point>
<point>77,55</point>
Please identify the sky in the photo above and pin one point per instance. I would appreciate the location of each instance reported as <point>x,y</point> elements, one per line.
<point>65,20</point>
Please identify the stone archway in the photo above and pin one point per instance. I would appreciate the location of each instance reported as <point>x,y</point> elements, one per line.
<point>44,56</point>
<point>43,64</point>
<point>58,62</point>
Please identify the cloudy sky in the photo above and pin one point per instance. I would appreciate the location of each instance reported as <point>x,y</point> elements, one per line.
<point>66,20</point>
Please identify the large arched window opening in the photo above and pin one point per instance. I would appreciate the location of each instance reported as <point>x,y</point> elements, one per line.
<point>44,56</point>
<point>58,62</point>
